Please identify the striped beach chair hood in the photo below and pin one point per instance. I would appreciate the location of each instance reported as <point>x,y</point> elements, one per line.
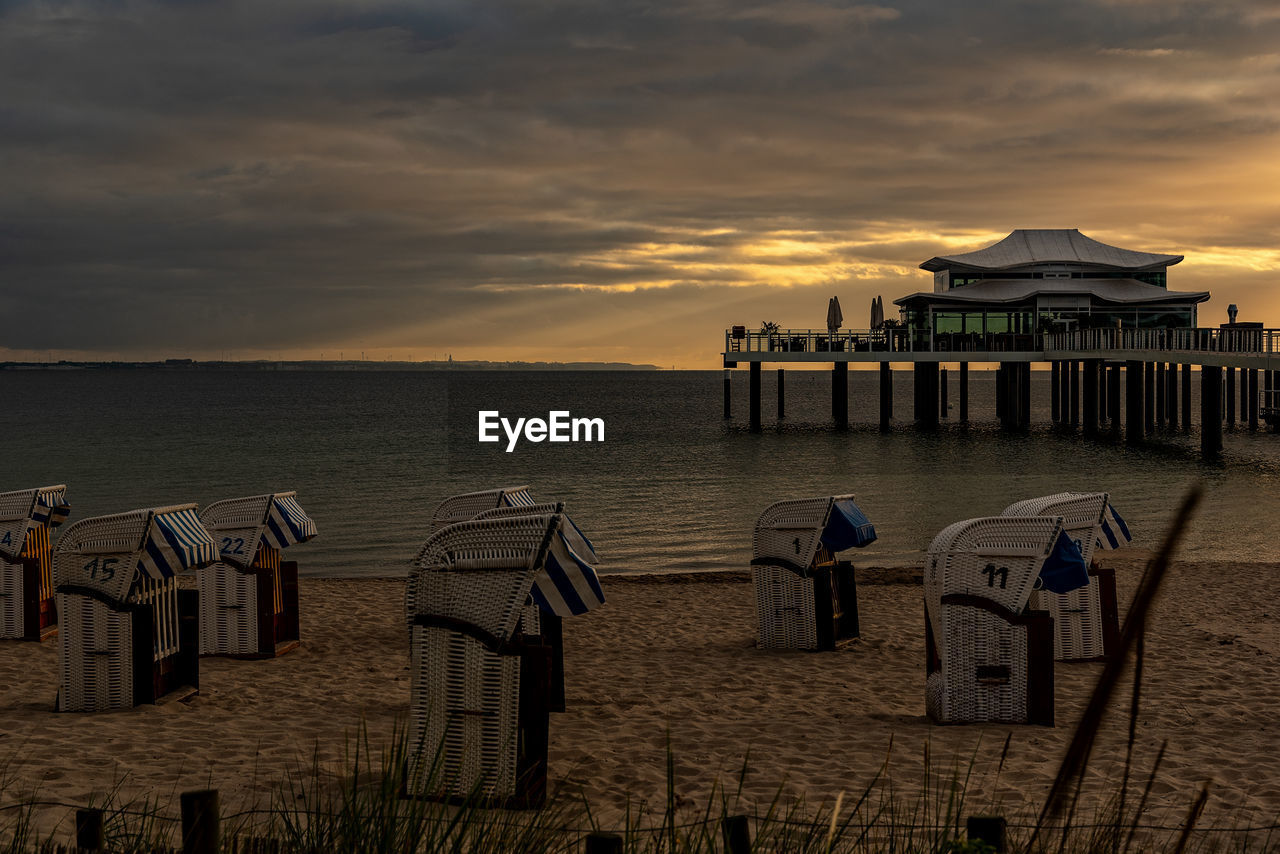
<point>240,525</point>
<point>789,533</point>
<point>25,509</point>
<point>176,541</point>
<point>1113,532</point>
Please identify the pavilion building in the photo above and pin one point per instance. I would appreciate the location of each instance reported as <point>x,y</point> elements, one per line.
<point>1046,280</point>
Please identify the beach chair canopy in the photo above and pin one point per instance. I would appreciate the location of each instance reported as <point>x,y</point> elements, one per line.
<point>788,533</point>
<point>25,509</point>
<point>105,553</point>
<point>461,508</point>
<point>566,583</point>
<point>240,525</point>
<point>1088,518</point>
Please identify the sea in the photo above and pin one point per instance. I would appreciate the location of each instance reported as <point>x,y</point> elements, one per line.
<point>672,487</point>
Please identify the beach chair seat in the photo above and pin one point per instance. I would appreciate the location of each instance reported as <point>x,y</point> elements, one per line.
<point>27,607</point>
<point>464,507</point>
<point>989,658</point>
<point>805,598</point>
<point>1086,620</point>
<point>249,598</point>
<point>128,634</point>
<point>480,681</point>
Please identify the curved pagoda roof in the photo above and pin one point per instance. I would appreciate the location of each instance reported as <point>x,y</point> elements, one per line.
<point>1012,291</point>
<point>1028,246</point>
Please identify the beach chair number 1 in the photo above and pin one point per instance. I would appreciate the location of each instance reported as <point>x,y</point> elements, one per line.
<point>232,545</point>
<point>104,568</point>
<point>991,571</point>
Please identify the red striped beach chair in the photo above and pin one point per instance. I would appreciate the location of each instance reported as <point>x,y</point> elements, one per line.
<point>27,607</point>
<point>461,508</point>
<point>990,659</point>
<point>249,598</point>
<point>1086,620</point>
<point>128,635</point>
<point>805,598</point>
<point>480,686</point>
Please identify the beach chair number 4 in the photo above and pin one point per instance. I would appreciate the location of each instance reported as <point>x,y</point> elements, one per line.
<point>232,545</point>
<point>8,539</point>
<point>992,571</point>
<point>103,568</point>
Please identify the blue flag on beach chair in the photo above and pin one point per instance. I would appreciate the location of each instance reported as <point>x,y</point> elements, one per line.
<point>1064,570</point>
<point>1113,532</point>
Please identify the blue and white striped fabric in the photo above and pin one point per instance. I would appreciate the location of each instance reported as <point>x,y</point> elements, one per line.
<point>518,498</point>
<point>51,508</point>
<point>568,585</point>
<point>1113,533</point>
<point>176,541</point>
<point>579,543</point>
<point>287,523</point>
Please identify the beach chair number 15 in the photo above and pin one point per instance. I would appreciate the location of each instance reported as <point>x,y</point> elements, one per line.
<point>104,568</point>
<point>991,571</point>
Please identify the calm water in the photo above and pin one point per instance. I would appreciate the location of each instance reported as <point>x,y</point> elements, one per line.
<point>673,487</point>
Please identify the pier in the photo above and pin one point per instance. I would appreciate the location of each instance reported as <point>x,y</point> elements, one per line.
<point>1238,372</point>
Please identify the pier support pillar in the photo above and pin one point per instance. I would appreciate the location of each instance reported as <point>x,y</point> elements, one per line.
<point>728,410</point>
<point>943,404</point>
<point>1231,396</point>
<point>782,394</point>
<point>1055,404</point>
<point>926,395</point>
<point>1113,399</point>
<point>1102,391</point>
<point>964,392</point>
<point>1000,390</point>
<point>1024,395</point>
<point>1186,397</point>
<point>1091,370</point>
<point>1160,399</point>
<point>1150,400</point>
<point>1253,398</point>
<point>1210,412</point>
<point>840,393</point>
<point>886,396</point>
<point>1073,380</point>
<point>1171,395</point>
<point>1134,429</point>
<point>754,394</point>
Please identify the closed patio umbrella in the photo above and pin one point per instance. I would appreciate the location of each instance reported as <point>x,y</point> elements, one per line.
<point>834,318</point>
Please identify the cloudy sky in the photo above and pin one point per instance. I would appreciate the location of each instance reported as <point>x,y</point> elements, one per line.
<point>614,180</point>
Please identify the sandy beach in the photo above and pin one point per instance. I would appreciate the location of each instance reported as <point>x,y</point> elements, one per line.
<point>675,659</point>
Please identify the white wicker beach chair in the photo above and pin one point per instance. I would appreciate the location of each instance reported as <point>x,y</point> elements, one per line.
<point>27,608</point>
<point>567,586</point>
<point>990,660</point>
<point>1086,621</point>
<point>805,599</point>
<point>461,508</point>
<point>478,711</point>
<point>249,599</point>
<point>128,635</point>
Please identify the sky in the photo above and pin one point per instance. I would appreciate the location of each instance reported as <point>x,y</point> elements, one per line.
<point>607,181</point>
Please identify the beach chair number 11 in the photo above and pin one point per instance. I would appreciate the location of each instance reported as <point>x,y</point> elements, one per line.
<point>991,571</point>
<point>797,545</point>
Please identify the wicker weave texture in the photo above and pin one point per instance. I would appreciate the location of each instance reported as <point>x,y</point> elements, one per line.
<point>978,639</point>
<point>1077,614</point>
<point>12,599</point>
<point>228,611</point>
<point>463,718</point>
<point>461,508</point>
<point>119,536</point>
<point>785,617</point>
<point>95,655</point>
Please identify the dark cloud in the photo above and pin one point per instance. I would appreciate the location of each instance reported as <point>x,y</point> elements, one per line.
<point>295,175</point>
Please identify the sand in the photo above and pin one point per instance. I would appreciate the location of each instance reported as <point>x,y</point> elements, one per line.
<point>674,660</point>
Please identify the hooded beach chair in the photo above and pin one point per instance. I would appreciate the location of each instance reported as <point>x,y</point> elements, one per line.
<point>479,685</point>
<point>27,609</point>
<point>249,598</point>
<point>461,508</point>
<point>1086,621</point>
<point>990,659</point>
<point>805,599</point>
<point>128,635</point>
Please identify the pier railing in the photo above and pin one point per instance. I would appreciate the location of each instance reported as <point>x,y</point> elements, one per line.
<point>906,340</point>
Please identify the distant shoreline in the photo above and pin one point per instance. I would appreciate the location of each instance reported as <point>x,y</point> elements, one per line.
<point>323,365</point>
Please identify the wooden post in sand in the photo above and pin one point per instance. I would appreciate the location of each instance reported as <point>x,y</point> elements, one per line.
<point>200,831</point>
<point>603,843</point>
<point>987,828</point>
<point>89,832</point>
<point>737,834</point>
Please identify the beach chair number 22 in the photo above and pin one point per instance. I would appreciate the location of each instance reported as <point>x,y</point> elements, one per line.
<point>103,568</point>
<point>992,571</point>
<point>232,546</point>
